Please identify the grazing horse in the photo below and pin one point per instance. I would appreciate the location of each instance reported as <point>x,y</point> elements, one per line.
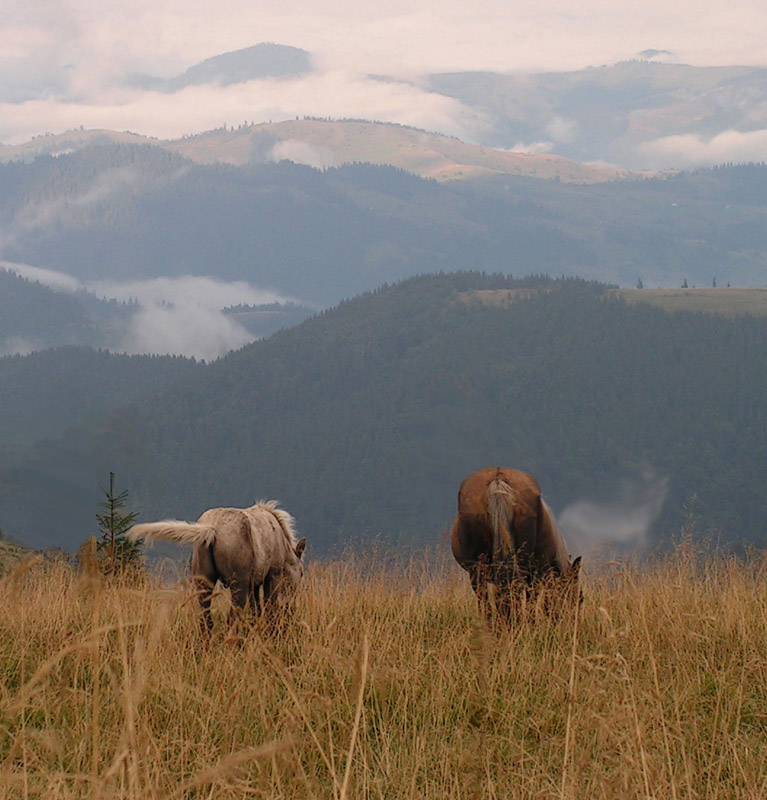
<point>253,551</point>
<point>504,536</point>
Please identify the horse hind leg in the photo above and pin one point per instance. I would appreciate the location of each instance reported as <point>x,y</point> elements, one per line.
<point>242,602</point>
<point>478,573</point>
<point>204,590</point>
<point>205,577</point>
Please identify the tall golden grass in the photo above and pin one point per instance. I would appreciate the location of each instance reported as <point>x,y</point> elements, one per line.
<point>386,684</point>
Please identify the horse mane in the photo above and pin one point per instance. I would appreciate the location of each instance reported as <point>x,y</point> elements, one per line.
<point>285,520</point>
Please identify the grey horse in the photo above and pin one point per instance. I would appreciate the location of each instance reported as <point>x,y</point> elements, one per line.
<point>253,551</point>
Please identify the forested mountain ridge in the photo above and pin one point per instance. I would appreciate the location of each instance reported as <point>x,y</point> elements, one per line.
<point>364,419</point>
<point>42,394</point>
<point>126,212</point>
<point>33,317</point>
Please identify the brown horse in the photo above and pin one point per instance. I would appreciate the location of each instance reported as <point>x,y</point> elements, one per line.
<point>253,551</point>
<point>505,537</point>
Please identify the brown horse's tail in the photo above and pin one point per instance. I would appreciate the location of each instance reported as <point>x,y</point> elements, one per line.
<point>500,507</point>
<point>173,530</point>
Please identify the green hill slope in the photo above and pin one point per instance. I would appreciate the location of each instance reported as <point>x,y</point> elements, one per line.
<point>32,316</point>
<point>126,212</point>
<point>363,420</point>
<point>326,143</point>
<point>44,393</point>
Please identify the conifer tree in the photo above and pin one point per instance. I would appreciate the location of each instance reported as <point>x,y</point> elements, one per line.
<point>117,551</point>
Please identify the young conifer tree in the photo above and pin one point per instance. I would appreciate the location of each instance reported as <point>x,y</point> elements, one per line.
<point>117,551</point>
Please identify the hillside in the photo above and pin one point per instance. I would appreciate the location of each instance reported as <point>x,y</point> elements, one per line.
<point>386,678</point>
<point>332,143</point>
<point>728,301</point>
<point>622,113</point>
<point>328,143</point>
<point>33,317</point>
<point>363,420</point>
<point>45,393</point>
<point>126,213</point>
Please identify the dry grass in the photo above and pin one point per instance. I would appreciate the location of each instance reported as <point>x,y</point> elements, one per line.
<point>726,301</point>
<point>387,686</point>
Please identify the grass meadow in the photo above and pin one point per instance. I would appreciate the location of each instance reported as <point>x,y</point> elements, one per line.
<point>727,301</point>
<point>386,684</point>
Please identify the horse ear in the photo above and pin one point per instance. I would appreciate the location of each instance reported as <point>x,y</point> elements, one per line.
<point>300,547</point>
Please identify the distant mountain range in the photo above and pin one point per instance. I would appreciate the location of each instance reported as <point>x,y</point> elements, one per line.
<point>634,114</point>
<point>623,114</point>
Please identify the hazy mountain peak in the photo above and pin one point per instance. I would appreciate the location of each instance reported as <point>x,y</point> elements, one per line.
<point>265,60</point>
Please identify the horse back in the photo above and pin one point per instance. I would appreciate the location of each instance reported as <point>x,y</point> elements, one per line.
<point>233,554</point>
<point>472,534</point>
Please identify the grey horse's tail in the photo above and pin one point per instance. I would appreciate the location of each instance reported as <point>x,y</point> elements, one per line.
<point>500,506</point>
<point>173,530</point>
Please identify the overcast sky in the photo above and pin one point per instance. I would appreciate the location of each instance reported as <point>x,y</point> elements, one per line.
<point>62,63</point>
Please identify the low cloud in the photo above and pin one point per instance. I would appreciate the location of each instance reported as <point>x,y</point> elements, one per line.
<point>182,330</point>
<point>690,150</point>
<point>561,129</point>
<point>173,316</point>
<point>336,94</point>
<point>17,346</point>
<point>194,291</point>
<point>302,153</point>
<point>534,148</point>
<point>46,214</point>
<point>621,522</point>
<point>58,281</point>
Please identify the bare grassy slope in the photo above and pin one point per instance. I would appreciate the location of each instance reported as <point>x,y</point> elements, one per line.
<point>325,143</point>
<point>387,686</point>
<point>430,155</point>
<point>727,301</point>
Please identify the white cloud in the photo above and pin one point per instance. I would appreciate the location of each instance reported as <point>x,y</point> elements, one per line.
<point>17,346</point>
<point>393,34</point>
<point>45,214</point>
<point>186,330</point>
<point>302,153</point>
<point>561,129</point>
<point>193,291</point>
<point>59,281</point>
<point>536,148</point>
<point>621,522</point>
<point>690,150</point>
<point>178,316</point>
<point>199,108</point>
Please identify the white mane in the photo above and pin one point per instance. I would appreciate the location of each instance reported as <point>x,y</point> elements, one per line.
<point>286,521</point>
